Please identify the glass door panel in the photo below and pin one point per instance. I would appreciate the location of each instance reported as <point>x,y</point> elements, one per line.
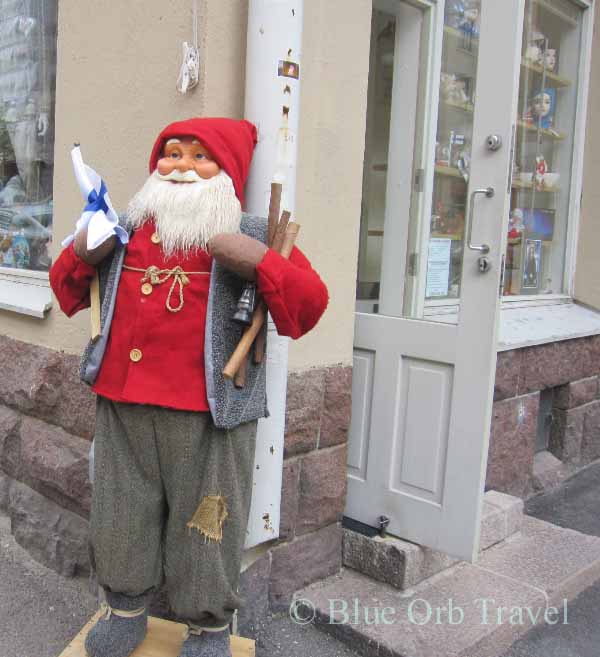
<point>453,152</point>
<point>538,225</point>
<point>415,192</point>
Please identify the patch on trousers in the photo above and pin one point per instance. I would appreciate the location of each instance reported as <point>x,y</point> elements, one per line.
<point>209,517</point>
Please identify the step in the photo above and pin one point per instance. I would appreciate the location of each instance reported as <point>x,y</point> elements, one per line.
<point>164,639</point>
<point>403,564</point>
<point>528,573</point>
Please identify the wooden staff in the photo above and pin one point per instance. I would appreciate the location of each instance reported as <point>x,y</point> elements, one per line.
<point>95,306</point>
<point>241,352</point>
<point>259,346</point>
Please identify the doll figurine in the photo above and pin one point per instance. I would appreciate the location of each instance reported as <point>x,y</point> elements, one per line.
<point>541,111</point>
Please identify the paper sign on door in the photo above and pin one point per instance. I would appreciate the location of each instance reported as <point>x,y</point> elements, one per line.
<point>438,267</point>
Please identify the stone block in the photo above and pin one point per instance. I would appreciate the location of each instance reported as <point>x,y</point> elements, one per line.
<point>548,471</point>
<point>508,367</point>
<point>442,618</point>
<point>381,559</point>
<point>556,364</point>
<point>540,368</point>
<point>337,406</point>
<point>304,407</point>
<point>502,517</point>
<point>566,434</point>
<point>10,441</point>
<point>577,358</point>
<point>76,408</point>
<point>322,491</point>
<point>512,444</point>
<point>5,482</point>
<point>289,499</point>
<point>52,535</point>
<point>30,376</point>
<point>576,393</point>
<point>45,384</point>
<point>546,556</point>
<point>254,591</point>
<point>590,444</point>
<point>53,459</point>
<point>302,561</point>
<point>391,560</point>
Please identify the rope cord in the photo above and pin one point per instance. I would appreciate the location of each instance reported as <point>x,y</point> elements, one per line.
<point>156,276</point>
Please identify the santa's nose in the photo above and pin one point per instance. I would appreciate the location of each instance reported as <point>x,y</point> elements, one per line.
<point>184,163</point>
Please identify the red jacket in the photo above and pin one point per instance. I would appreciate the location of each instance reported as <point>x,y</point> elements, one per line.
<point>155,356</point>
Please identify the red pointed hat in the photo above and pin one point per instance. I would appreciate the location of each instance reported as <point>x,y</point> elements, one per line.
<point>230,142</point>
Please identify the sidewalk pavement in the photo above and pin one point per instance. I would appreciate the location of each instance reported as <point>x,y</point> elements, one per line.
<point>575,504</point>
<point>41,611</point>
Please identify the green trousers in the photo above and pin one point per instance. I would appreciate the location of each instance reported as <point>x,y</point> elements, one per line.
<point>170,504</point>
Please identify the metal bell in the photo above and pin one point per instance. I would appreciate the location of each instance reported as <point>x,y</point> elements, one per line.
<point>245,306</point>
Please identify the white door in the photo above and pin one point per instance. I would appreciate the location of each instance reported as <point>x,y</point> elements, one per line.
<point>441,82</point>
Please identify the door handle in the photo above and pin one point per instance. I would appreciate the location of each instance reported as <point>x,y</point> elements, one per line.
<point>489,193</point>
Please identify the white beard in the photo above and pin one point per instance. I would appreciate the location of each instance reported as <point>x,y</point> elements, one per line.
<point>187,215</point>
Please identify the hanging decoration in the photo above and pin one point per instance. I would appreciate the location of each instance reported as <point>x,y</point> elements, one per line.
<point>189,74</point>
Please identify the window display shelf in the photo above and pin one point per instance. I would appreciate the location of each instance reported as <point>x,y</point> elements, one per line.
<point>447,236</point>
<point>519,184</point>
<point>463,107</point>
<point>552,80</point>
<point>555,11</point>
<point>551,134</point>
<point>462,37</point>
<point>443,170</point>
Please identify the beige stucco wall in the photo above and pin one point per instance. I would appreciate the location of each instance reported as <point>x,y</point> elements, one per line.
<point>587,276</point>
<point>330,162</point>
<point>132,56</point>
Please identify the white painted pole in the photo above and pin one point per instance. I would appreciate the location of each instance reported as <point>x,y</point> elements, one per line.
<point>273,70</point>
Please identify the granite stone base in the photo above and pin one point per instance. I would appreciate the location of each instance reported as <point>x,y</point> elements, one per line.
<point>569,371</point>
<point>47,422</point>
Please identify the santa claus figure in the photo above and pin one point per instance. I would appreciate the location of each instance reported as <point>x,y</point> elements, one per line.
<point>174,442</point>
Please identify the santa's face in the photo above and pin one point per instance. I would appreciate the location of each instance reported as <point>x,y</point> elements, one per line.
<point>187,154</point>
<point>188,196</point>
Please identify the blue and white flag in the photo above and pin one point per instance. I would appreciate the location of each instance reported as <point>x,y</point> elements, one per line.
<point>98,215</point>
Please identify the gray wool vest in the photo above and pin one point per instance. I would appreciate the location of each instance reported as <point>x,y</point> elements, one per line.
<point>229,406</point>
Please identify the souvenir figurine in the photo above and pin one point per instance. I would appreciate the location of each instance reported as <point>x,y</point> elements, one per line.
<point>515,226</point>
<point>549,59</point>
<point>454,89</point>
<point>541,168</point>
<point>541,111</point>
<point>464,15</point>
<point>175,440</point>
<point>531,269</point>
<point>533,54</point>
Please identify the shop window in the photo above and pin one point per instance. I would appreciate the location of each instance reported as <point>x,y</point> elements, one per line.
<point>536,254</point>
<point>419,156</point>
<point>27,87</point>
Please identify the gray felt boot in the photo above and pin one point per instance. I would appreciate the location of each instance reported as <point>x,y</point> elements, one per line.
<point>207,644</point>
<point>121,630</point>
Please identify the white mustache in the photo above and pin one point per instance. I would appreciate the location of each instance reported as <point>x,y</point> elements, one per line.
<point>189,176</point>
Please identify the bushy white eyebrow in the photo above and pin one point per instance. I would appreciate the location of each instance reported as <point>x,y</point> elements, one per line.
<point>173,141</point>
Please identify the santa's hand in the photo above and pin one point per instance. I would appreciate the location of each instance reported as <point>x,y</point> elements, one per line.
<point>238,253</point>
<point>92,256</point>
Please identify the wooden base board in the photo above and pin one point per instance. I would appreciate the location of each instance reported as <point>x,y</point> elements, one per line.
<point>164,639</point>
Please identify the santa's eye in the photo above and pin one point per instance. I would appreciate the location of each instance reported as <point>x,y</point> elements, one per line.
<point>200,156</point>
<point>175,155</point>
